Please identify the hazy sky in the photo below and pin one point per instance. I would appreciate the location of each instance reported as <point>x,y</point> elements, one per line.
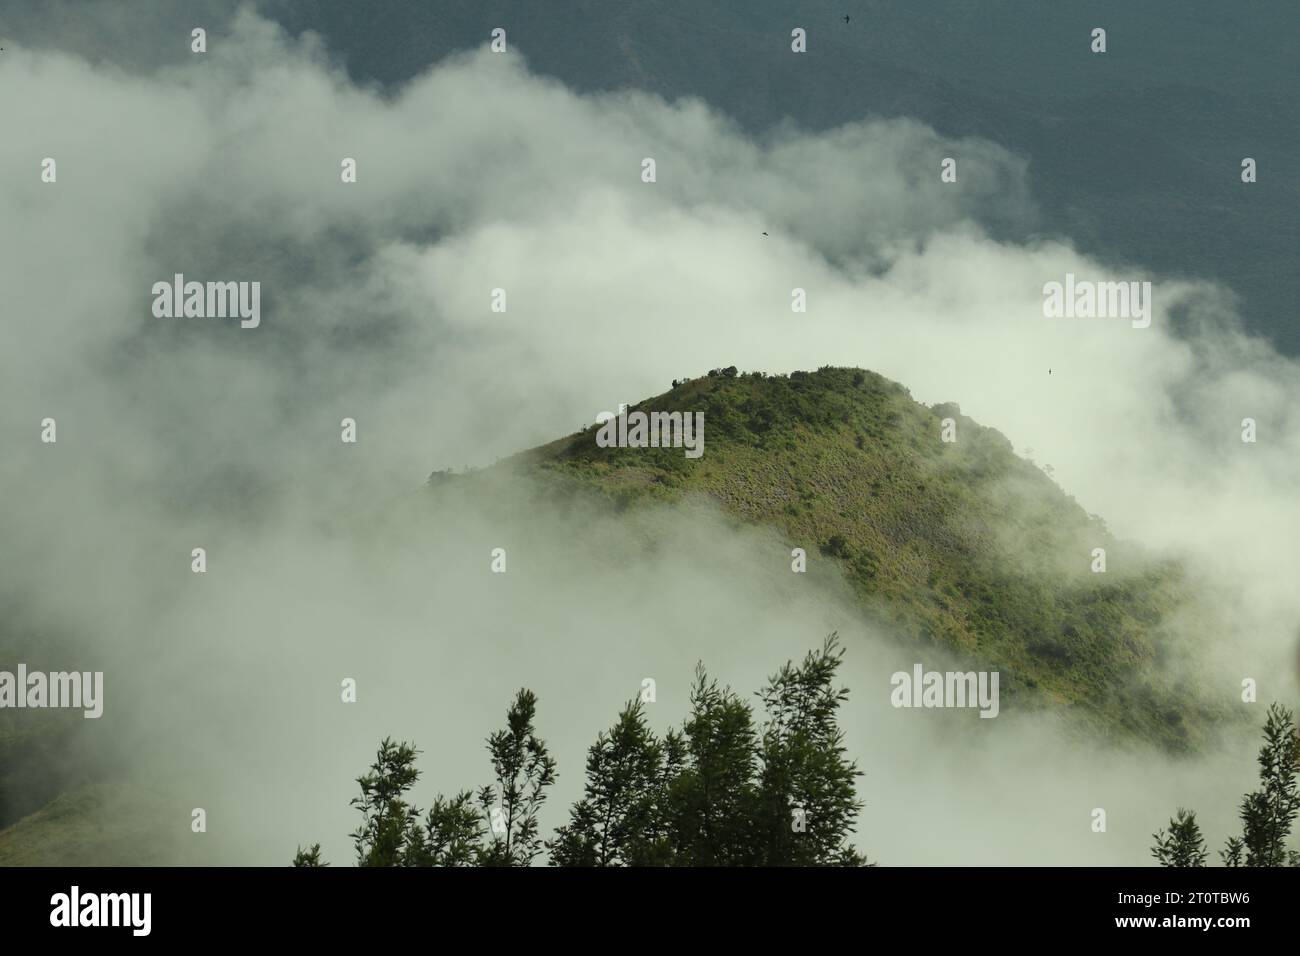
<point>478,174</point>
<point>1132,156</point>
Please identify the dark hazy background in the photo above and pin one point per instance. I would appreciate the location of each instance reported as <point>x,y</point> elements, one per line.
<point>1134,155</point>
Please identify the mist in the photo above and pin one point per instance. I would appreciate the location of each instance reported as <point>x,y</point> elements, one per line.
<point>182,433</point>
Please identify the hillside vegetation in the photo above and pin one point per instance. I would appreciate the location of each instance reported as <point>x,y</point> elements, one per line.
<point>964,545</point>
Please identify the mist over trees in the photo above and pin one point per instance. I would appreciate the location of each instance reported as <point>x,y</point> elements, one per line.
<point>728,789</point>
<point>1267,814</point>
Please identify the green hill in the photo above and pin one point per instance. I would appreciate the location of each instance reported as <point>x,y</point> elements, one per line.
<point>963,545</point>
<point>102,824</point>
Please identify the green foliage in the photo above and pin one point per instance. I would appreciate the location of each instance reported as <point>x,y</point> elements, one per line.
<point>1233,852</point>
<point>309,857</point>
<point>524,769</point>
<point>393,833</point>
<point>386,818</point>
<point>963,544</point>
<point>836,547</point>
<point>498,827</point>
<point>1267,814</point>
<point>1183,844</point>
<point>108,823</point>
<point>805,768</point>
<point>712,800</point>
<point>722,791</point>
<point>622,819</point>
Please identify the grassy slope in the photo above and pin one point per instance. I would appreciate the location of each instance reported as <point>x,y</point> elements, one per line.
<point>962,544</point>
<point>100,824</point>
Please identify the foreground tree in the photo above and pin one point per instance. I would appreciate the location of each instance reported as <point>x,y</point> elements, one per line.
<point>712,801</point>
<point>722,791</point>
<point>808,798</point>
<point>524,769</point>
<point>461,830</point>
<point>308,857</point>
<point>622,818</point>
<point>1183,844</point>
<point>386,817</point>
<point>1267,814</point>
<point>451,834</point>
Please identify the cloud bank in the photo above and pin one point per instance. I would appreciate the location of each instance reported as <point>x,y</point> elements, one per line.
<point>478,175</point>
